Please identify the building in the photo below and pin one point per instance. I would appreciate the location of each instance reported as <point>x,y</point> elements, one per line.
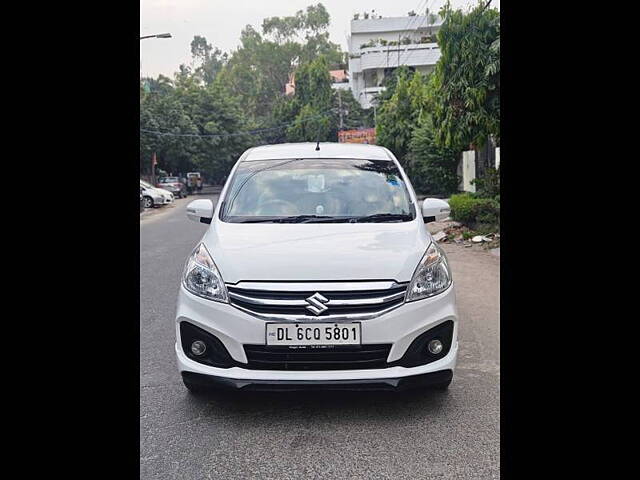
<point>377,46</point>
<point>339,79</point>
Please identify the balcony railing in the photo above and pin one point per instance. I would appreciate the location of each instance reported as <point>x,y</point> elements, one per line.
<point>389,57</point>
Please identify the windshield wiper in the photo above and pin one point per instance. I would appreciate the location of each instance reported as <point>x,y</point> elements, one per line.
<point>292,219</point>
<point>308,219</point>
<point>377,217</point>
<point>383,217</point>
<point>258,220</point>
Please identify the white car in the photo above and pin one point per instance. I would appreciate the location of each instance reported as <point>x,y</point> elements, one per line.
<point>317,271</point>
<point>152,196</point>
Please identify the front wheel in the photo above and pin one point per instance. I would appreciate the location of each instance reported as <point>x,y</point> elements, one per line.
<point>148,202</point>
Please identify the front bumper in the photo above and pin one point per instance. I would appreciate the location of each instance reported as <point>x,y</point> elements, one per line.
<point>391,384</point>
<point>399,327</point>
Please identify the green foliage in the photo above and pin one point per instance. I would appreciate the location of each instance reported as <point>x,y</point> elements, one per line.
<point>309,125</point>
<point>314,110</point>
<point>209,60</point>
<point>489,185</point>
<point>405,126</point>
<point>432,169</point>
<point>189,108</point>
<point>313,84</point>
<point>466,93</point>
<point>476,213</point>
<point>353,115</point>
<point>399,113</point>
<point>222,94</point>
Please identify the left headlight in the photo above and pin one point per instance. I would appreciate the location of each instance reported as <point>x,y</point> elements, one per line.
<point>432,276</point>
<point>201,276</point>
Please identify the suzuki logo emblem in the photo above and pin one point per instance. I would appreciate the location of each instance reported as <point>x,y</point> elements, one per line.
<point>317,303</point>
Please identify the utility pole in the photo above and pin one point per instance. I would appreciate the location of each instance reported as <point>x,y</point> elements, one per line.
<point>340,108</point>
<point>153,169</point>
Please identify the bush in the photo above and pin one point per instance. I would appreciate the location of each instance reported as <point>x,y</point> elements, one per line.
<point>476,213</point>
<point>489,185</point>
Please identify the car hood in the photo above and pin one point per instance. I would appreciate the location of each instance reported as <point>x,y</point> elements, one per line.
<point>162,191</point>
<point>317,252</point>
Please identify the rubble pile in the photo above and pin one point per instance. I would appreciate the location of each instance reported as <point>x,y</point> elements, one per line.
<point>457,233</point>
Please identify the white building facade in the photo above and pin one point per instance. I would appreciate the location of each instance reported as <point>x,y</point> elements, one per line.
<point>377,46</point>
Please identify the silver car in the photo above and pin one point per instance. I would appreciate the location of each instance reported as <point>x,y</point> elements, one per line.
<point>153,196</point>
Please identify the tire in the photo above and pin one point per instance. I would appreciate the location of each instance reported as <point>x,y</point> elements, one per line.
<point>148,202</point>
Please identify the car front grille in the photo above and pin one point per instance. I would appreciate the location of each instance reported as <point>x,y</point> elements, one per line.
<point>261,357</point>
<point>329,301</point>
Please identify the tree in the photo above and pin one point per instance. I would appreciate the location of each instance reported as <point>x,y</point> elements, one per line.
<point>432,169</point>
<point>353,115</point>
<point>200,119</point>
<point>400,112</point>
<point>312,103</point>
<point>466,88</point>
<point>192,127</point>
<point>313,83</point>
<point>209,61</point>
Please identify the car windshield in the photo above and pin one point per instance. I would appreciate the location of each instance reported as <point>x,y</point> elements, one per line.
<point>145,184</point>
<point>317,190</point>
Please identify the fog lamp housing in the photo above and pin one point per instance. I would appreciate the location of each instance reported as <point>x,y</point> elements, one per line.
<point>198,348</point>
<point>435,346</point>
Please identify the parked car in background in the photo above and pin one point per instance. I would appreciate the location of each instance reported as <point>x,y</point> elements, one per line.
<point>153,196</point>
<point>317,270</point>
<point>194,182</point>
<point>174,185</point>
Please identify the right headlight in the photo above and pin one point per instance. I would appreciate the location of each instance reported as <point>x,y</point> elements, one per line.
<point>432,276</point>
<point>201,276</point>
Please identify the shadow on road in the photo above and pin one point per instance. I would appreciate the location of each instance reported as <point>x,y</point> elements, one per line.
<point>330,403</point>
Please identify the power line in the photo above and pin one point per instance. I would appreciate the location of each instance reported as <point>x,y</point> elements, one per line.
<point>408,52</point>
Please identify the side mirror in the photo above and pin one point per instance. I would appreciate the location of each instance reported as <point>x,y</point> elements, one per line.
<point>200,210</point>
<point>434,209</point>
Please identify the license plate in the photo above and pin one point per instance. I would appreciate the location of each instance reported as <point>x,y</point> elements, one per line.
<point>301,334</point>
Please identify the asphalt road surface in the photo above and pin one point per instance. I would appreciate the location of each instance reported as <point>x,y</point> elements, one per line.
<point>436,435</point>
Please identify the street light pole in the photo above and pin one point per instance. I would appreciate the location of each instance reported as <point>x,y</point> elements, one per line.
<point>154,159</point>
<point>158,35</point>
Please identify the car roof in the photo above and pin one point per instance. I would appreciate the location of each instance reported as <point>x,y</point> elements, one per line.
<point>308,150</point>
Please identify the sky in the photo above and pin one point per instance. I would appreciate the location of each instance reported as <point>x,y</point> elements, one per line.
<point>221,21</point>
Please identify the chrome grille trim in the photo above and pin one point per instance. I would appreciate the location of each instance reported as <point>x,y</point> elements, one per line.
<point>304,303</point>
<point>288,301</point>
<point>317,286</point>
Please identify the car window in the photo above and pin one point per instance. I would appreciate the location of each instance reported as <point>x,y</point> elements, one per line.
<point>329,189</point>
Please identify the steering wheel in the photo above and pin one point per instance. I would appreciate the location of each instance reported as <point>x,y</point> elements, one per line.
<point>286,208</point>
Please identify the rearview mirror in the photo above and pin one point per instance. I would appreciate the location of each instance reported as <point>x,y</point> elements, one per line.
<point>434,209</point>
<point>200,210</point>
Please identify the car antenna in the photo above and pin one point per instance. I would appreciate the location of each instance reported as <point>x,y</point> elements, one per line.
<point>318,138</point>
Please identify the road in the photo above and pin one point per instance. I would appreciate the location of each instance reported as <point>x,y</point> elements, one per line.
<point>454,434</point>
